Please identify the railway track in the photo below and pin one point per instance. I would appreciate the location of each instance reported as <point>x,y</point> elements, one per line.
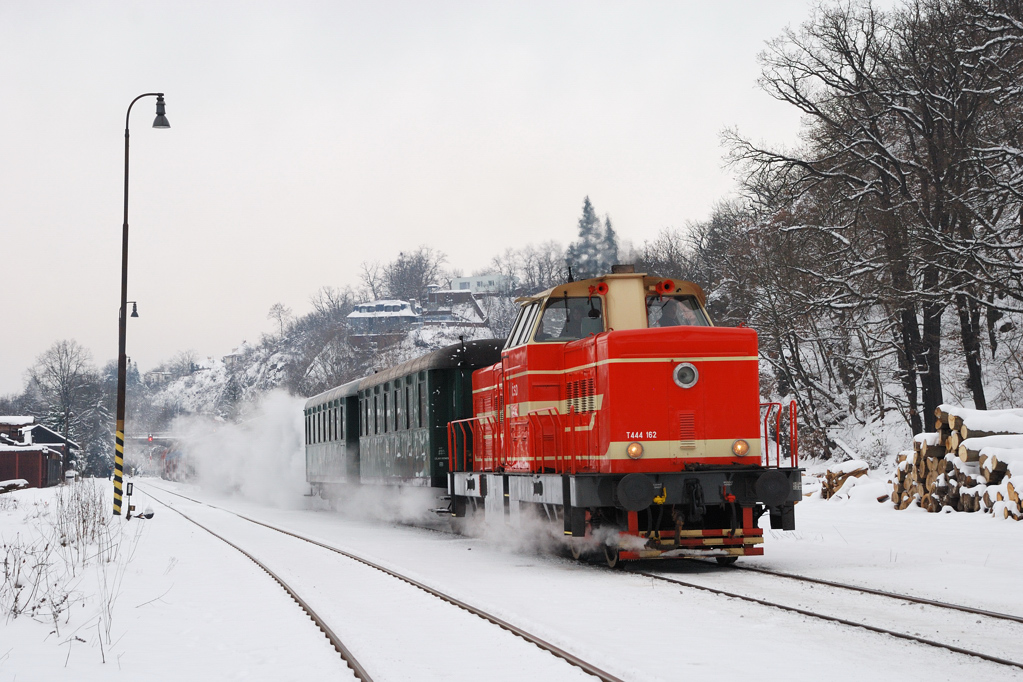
<point>344,650</point>
<point>353,664</point>
<point>932,611</point>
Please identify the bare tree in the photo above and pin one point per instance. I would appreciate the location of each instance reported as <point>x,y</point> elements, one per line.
<point>63,375</point>
<point>409,276</point>
<point>372,276</point>
<point>897,195</point>
<point>282,315</point>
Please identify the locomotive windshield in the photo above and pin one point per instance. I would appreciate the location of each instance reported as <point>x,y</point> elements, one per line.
<point>568,319</point>
<point>674,311</point>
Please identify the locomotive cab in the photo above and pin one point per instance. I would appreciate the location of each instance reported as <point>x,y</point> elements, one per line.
<point>618,404</point>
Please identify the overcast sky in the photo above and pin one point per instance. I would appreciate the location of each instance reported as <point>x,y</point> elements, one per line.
<point>308,137</point>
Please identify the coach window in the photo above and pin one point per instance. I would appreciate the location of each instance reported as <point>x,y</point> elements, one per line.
<point>376,413</point>
<point>341,420</point>
<point>397,406</point>
<point>415,405</point>
<point>408,404</point>
<point>365,414</point>
<point>424,397</point>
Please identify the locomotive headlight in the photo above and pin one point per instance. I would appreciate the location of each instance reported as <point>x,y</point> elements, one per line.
<point>634,451</point>
<point>740,448</point>
<point>685,375</point>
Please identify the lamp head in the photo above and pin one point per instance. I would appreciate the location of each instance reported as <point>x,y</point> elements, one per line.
<point>161,109</point>
<point>134,310</point>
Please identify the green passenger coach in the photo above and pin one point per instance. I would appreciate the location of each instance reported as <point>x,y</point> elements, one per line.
<point>390,428</point>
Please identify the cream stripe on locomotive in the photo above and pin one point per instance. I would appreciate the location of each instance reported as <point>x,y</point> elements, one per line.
<point>668,449</point>
<point>712,448</point>
<point>617,361</point>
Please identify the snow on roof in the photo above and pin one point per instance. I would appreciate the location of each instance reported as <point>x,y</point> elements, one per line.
<point>16,421</point>
<point>384,308</point>
<point>25,448</point>
<point>46,428</point>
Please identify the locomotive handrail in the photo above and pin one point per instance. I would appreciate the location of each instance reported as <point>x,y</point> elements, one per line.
<point>453,442</point>
<point>495,435</point>
<point>551,412</point>
<point>767,434</point>
<point>793,436</point>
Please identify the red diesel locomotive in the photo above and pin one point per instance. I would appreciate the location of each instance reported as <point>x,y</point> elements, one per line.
<point>618,411</point>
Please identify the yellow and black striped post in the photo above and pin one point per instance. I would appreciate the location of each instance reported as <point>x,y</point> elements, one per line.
<point>118,467</point>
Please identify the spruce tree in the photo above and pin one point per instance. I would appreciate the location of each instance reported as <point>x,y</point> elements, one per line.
<point>596,249</point>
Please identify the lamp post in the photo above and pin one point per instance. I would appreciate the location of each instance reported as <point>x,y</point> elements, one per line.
<point>122,359</point>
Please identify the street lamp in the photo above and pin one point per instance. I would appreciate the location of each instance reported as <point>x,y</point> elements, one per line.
<point>122,359</point>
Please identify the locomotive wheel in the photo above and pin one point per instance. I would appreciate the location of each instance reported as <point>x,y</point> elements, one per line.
<point>611,557</point>
<point>575,548</point>
<point>726,560</point>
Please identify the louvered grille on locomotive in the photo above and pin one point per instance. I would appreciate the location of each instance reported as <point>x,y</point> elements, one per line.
<point>687,430</point>
<point>581,395</point>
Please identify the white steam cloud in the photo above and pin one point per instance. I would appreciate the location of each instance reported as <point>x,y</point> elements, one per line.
<point>261,458</point>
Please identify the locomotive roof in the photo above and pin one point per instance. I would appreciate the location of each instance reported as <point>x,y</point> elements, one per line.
<point>582,287</point>
<point>475,354</point>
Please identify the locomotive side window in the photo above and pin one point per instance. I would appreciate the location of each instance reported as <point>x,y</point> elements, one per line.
<point>523,325</point>
<point>568,319</point>
<point>675,311</point>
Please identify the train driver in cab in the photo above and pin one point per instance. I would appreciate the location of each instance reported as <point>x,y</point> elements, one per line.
<point>675,312</point>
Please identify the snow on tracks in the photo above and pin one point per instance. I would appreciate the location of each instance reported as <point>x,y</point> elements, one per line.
<point>397,633</point>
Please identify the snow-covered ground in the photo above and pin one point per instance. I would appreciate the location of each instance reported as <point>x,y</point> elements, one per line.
<point>180,604</point>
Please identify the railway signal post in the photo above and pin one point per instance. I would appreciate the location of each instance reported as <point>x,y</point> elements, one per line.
<point>122,359</point>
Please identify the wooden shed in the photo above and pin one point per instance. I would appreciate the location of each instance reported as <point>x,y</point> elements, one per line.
<point>37,464</point>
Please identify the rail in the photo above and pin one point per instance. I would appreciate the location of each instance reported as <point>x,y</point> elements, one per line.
<point>538,641</point>
<point>915,637</point>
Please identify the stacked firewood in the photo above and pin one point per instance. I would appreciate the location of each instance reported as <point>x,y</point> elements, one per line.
<point>966,464</point>
<point>837,475</point>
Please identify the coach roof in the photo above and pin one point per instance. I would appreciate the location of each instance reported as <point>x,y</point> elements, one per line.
<point>470,355</point>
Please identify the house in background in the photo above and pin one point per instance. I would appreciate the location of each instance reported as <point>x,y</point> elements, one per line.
<point>486,285</point>
<point>453,308</point>
<point>23,457</point>
<point>382,322</point>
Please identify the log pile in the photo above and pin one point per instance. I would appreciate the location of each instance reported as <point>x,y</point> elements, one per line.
<point>838,475</point>
<point>966,464</point>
